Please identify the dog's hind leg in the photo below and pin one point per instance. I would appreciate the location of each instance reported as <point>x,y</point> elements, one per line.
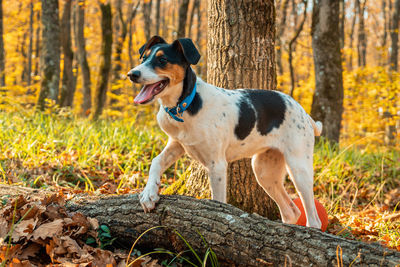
<point>269,168</point>
<point>300,168</point>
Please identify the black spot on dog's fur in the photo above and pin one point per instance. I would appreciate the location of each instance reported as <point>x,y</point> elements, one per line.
<point>270,111</point>
<point>247,120</point>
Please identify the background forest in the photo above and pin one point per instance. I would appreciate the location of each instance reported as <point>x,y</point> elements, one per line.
<point>68,122</point>
<point>369,43</point>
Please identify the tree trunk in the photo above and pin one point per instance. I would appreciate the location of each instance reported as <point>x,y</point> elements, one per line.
<point>362,39</point>
<point>105,65</point>
<point>327,105</point>
<point>24,60</point>
<point>291,45</point>
<point>195,6</point>
<point>2,52</point>
<point>351,37</point>
<point>294,12</point>
<point>385,22</point>
<point>82,58</point>
<point>390,127</point>
<point>281,30</point>
<point>121,30</point>
<point>183,10</point>
<point>241,36</point>
<point>132,15</point>
<point>342,22</point>
<point>50,57</point>
<point>157,28</point>
<point>30,48</point>
<point>237,238</point>
<point>147,18</point>
<point>37,44</point>
<point>68,81</point>
<point>198,36</point>
<point>394,36</point>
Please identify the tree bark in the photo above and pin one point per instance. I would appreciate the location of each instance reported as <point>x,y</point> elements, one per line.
<point>237,238</point>
<point>362,39</point>
<point>198,35</point>
<point>121,30</point>
<point>385,22</point>
<point>2,52</point>
<point>195,6</point>
<point>394,36</point>
<point>241,54</point>
<point>327,105</point>
<point>105,65</point>
<point>68,81</point>
<point>119,44</point>
<point>351,37</point>
<point>133,14</point>
<point>82,58</point>
<point>291,48</point>
<point>50,57</point>
<point>147,18</point>
<point>281,30</point>
<point>158,7</point>
<point>390,127</point>
<point>24,60</point>
<point>342,22</point>
<point>37,44</point>
<point>183,10</point>
<point>30,48</point>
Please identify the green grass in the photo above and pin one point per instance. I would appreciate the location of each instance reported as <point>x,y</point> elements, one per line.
<point>65,148</point>
<point>42,150</point>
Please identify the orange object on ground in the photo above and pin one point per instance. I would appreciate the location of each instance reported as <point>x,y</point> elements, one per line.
<point>322,214</point>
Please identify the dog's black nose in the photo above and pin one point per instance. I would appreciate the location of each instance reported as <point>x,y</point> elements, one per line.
<point>134,75</point>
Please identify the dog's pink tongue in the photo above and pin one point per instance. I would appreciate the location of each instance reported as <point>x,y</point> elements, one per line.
<point>145,94</point>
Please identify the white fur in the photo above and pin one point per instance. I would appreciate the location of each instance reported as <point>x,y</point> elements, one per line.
<point>209,137</point>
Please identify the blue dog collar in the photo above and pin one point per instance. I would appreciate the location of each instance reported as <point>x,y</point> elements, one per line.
<point>177,112</point>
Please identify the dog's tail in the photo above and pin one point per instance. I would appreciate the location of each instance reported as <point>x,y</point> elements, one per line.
<point>316,125</point>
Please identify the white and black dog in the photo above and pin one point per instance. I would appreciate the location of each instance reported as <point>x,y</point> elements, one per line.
<point>216,126</point>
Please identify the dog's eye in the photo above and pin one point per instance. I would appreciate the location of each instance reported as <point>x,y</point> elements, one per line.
<point>162,60</point>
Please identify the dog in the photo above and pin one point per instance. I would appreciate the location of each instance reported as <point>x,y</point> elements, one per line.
<point>216,126</point>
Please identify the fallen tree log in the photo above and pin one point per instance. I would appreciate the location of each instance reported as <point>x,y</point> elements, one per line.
<point>235,236</point>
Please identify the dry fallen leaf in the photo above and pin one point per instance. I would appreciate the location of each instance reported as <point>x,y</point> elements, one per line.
<point>71,245</point>
<point>103,257</point>
<point>23,229</point>
<point>17,263</point>
<point>94,223</point>
<point>10,252</point>
<point>3,228</point>
<point>34,211</point>
<point>48,229</point>
<point>29,252</point>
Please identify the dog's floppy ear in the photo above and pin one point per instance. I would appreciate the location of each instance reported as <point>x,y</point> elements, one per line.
<point>153,41</point>
<point>189,50</point>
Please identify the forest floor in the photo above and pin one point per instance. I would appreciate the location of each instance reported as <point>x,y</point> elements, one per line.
<point>358,184</point>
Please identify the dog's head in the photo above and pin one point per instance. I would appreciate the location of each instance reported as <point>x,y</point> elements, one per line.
<point>163,67</point>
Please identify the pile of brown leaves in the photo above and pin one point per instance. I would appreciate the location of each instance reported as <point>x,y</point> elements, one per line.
<point>40,232</point>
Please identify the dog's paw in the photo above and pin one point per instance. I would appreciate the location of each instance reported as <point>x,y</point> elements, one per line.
<point>149,197</point>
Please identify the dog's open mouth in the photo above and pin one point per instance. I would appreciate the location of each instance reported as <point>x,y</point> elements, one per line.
<point>149,91</point>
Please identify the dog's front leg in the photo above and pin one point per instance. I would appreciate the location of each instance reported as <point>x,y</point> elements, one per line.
<point>217,173</point>
<point>149,197</point>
